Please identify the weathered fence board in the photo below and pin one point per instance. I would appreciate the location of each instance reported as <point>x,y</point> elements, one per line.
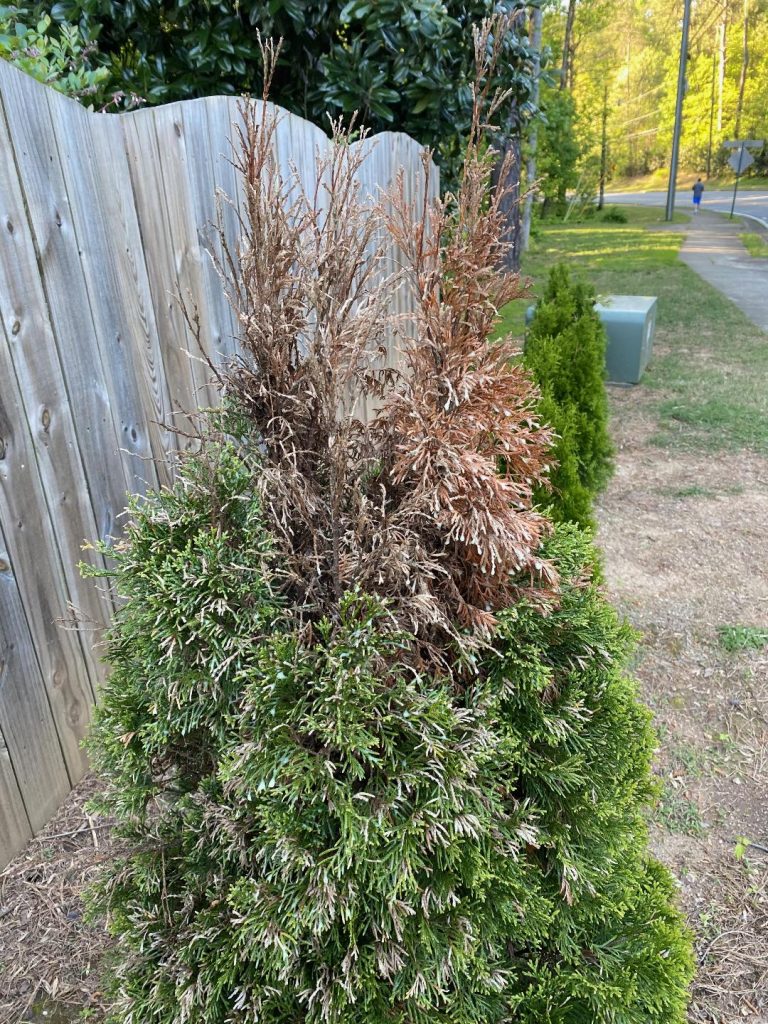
<point>28,727</point>
<point>104,225</point>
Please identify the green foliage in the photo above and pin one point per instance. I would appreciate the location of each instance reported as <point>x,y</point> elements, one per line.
<point>756,245</point>
<point>613,215</point>
<point>399,64</point>
<point>558,151</point>
<point>565,352</point>
<point>743,638</point>
<point>61,57</point>
<point>709,388</point>
<point>625,60</point>
<point>321,832</point>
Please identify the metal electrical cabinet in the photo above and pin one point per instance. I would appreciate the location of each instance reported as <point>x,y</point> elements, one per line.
<point>630,323</point>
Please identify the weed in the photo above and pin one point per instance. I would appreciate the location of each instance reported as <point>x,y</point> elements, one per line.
<point>678,813</point>
<point>688,759</point>
<point>742,638</point>
<point>694,491</point>
<point>755,244</point>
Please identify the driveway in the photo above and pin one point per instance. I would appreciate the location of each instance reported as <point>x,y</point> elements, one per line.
<point>748,203</point>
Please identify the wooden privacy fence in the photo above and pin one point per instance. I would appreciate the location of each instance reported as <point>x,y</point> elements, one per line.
<point>103,221</point>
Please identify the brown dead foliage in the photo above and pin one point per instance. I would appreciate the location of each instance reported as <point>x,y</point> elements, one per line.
<point>410,505</point>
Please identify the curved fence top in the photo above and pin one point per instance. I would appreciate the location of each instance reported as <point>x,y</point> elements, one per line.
<point>104,221</point>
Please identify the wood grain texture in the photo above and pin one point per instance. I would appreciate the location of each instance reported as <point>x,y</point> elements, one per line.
<point>30,739</point>
<point>32,629</point>
<point>108,224</point>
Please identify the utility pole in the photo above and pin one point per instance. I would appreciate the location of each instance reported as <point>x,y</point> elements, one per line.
<point>678,111</point>
<point>537,17</point>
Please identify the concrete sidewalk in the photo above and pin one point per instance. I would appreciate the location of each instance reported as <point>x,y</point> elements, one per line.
<point>714,250</point>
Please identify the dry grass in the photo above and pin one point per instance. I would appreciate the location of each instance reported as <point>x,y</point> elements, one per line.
<point>681,533</point>
<point>48,952</point>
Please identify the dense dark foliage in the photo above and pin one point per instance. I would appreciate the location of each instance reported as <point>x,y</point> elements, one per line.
<point>367,731</point>
<point>402,65</point>
<point>565,352</point>
<point>322,833</point>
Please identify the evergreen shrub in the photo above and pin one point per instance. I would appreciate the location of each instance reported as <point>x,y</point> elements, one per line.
<point>368,733</point>
<point>565,353</point>
<point>613,215</point>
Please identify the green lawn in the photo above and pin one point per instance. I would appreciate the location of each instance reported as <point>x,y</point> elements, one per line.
<point>709,374</point>
<point>755,244</point>
<point>658,181</point>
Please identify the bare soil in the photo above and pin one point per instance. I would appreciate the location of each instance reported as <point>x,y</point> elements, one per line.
<point>684,542</point>
<point>683,536</point>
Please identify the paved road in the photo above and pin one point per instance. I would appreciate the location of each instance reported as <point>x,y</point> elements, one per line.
<point>748,203</point>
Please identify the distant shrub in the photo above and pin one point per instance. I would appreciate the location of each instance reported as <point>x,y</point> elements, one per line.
<point>61,55</point>
<point>60,58</point>
<point>565,352</point>
<point>614,216</point>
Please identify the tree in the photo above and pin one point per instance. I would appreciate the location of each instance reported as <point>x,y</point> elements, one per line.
<point>537,20</point>
<point>368,733</point>
<point>630,50</point>
<point>401,65</point>
<point>559,150</point>
<point>565,70</point>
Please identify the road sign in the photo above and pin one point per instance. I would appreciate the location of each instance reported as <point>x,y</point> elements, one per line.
<point>741,159</point>
<point>749,143</point>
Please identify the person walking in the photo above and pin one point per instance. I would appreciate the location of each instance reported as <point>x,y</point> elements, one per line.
<point>698,189</point>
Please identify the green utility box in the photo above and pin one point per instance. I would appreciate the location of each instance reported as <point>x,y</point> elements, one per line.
<point>630,323</point>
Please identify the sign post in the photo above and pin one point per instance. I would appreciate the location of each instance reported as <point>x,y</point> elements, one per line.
<point>740,160</point>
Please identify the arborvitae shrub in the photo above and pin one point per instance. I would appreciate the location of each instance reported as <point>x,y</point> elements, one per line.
<point>565,353</point>
<point>404,795</point>
<point>322,833</point>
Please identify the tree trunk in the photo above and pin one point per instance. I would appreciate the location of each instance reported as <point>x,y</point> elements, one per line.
<point>603,147</point>
<point>510,205</point>
<point>743,75</point>
<point>712,111</point>
<point>723,28</point>
<point>537,18</point>
<point>567,43</point>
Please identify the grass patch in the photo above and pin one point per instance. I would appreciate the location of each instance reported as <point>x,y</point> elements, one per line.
<point>710,362</point>
<point>693,491</point>
<point>755,244</point>
<point>742,638</point>
<point>658,180</point>
<point>686,759</point>
<point>678,813</point>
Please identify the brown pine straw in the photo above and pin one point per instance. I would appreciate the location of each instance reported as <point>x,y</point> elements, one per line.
<point>49,956</point>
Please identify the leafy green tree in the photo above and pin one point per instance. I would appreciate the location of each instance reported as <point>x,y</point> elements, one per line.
<point>558,151</point>
<point>400,64</point>
<point>565,352</point>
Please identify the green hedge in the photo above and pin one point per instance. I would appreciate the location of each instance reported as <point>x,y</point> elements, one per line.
<point>318,832</point>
